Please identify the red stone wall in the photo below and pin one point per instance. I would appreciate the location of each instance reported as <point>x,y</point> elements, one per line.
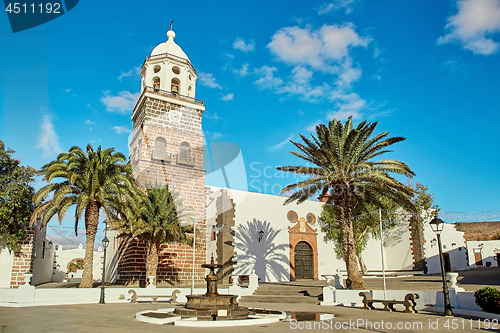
<point>23,260</point>
<point>479,231</point>
<point>175,264</point>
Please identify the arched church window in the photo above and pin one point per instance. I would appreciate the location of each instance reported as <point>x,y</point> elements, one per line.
<point>176,70</point>
<point>156,69</point>
<point>175,87</point>
<point>159,152</point>
<point>156,83</point>
<point>184,152</point>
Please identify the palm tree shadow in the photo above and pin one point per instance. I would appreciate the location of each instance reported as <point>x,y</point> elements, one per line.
<point>258,251</point>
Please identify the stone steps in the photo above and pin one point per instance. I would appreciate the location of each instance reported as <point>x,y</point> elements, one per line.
<point>279,299</point>
<point>286,292</point>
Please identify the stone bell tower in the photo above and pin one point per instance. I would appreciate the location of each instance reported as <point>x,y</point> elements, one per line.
<point>167,147</point>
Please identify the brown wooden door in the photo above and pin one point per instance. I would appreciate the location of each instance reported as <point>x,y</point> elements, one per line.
<point>478,258</point>
<point>304,267</point>
<point>447,264</point>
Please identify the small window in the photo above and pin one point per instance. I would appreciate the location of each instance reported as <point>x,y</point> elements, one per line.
<point>189,77</point>
<point>184,152</point>
<point>175,87</point>
<point>176,70</point>
<point>156,83</point>
<point>214,236</point>
<point>160,148</point>
<point>190,91</point>
<point>156,69</point>
<point>292,216</point>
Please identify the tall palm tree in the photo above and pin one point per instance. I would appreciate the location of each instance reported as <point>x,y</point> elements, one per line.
<point>157,221</point>
<point>91,181</point>
<point>343,166</point>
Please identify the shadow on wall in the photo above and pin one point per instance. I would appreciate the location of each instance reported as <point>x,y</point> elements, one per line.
<point>258,251</point>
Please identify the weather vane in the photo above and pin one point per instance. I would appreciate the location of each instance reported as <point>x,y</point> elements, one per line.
<point>172,21</point>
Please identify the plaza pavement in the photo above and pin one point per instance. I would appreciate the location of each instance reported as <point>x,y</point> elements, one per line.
<point>120,317</point>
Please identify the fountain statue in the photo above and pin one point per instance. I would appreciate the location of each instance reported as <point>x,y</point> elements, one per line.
<point>212,305</point>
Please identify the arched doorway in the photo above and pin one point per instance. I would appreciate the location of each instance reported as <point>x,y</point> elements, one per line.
<point>304,261</point>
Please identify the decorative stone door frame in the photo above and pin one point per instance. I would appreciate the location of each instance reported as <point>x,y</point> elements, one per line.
<point>302,232</point>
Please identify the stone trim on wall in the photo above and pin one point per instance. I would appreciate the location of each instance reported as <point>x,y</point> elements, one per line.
<point>302,232</point>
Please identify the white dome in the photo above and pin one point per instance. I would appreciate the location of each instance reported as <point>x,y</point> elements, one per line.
<point>170,47</point>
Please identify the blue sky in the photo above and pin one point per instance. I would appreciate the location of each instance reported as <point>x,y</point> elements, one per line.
<point>425,70</point>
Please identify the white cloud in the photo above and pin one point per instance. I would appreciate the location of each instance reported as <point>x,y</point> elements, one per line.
<point>213,116</point>
<point>130,72</point>
<point>213,136</point>
<point>48,140</point>
<point>329,8</point>
<point>207,79</point>
<point>228,97</point>
<point>281,144</point>
<point>299,84</point>
<point>124,102</point>
<point>473,26</point>
<point>67,90</point>
<point>217,135</point>
<point>121,129</point>
<point>89,122</point>
<point>348,104</point>
<point>320,49</point>
<point>267,79</point>
<point>243,71</point>
<point>240,44</point>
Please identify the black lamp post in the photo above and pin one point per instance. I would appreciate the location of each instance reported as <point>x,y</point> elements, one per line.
<point>105,243</point>
<point>437,226</point>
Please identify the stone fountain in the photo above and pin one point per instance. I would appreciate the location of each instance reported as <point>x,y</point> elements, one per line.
<point>212,305</point>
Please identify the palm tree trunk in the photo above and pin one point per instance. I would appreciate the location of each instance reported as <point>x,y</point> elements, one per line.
<point>152,260</point>
<point>344,203</point>
<point>91,222</point>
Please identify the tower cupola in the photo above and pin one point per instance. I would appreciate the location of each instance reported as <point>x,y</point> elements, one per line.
<point>168,70</point>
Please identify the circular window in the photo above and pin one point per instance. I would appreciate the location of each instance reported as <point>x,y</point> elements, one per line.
<point>292,216</point>
<point>176,70</point>
<point>157,68</point>
<point>311,218</point>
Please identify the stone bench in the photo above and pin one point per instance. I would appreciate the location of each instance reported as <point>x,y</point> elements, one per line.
<point>171,299</point>
<point>409,302</point>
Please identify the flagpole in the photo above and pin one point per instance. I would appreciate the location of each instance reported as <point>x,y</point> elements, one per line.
<point>382,248</point>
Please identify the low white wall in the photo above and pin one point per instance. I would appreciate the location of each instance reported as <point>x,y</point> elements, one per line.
<point>459,300</point>
<point>6,261</point>
<point>46,296</point>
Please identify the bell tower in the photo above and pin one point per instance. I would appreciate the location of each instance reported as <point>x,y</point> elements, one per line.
<point>167,147</point>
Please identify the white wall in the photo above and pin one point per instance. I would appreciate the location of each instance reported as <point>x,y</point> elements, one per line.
<point>270,258</point>
<point>43,262</point>
<point>454,244</point>
<point>6,261</point>
<point>489,251</point>
<point>65,256</point>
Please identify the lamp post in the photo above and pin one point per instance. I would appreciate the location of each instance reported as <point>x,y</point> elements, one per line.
<point>105,243</point>
<point>437,226</point>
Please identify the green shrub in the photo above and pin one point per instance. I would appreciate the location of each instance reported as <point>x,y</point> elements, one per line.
<point>488,299</point>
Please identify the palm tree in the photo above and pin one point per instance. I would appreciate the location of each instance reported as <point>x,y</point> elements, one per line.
<point>91,181</point>
<point>342,166</point>
<point>157,221</point>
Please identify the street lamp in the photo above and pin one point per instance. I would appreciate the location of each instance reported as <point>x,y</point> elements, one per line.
<point>105,243</point>
<point>437,226</point>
